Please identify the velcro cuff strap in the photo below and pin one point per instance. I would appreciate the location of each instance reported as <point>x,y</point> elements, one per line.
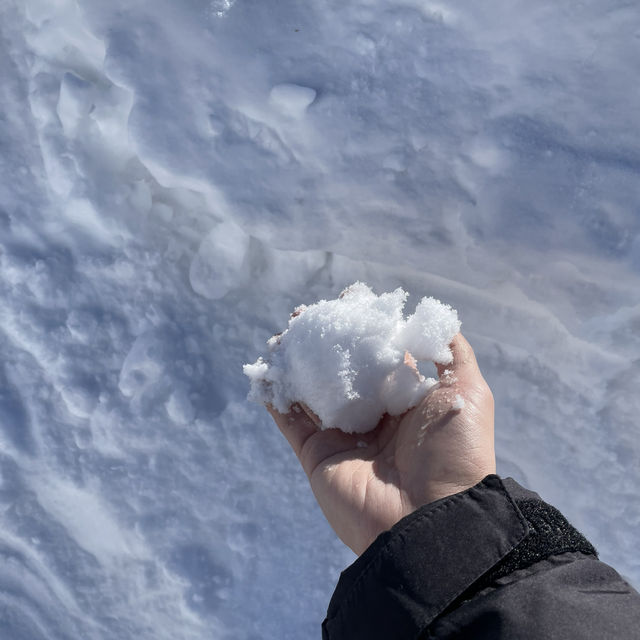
<point>550,534</point>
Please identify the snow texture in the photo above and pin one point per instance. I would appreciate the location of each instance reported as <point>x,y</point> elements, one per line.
<point>346,359</point>
<point>292,99</point>
<point>163,206</point>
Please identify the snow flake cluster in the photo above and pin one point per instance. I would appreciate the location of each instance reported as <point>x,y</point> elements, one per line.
<point>351,360</point>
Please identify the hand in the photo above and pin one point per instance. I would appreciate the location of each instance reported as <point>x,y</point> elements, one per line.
<point>365,483</point>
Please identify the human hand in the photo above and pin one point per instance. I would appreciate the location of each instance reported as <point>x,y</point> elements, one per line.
<point>365,483</point>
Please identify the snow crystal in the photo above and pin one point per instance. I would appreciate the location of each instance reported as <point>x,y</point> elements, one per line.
<point>350,359</point>
<point>220,8</point>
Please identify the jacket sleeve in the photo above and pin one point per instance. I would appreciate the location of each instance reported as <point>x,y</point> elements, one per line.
<point>492,562</point>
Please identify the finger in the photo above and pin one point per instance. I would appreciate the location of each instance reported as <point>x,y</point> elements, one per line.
<point>312,415</point>
<point>299,430</point>
<point>277,337</point>
<point>464,363</point>
<point>296,426</point>
<point>411,362</point>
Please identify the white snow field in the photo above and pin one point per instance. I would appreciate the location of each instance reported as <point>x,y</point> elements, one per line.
<point>177,176</point>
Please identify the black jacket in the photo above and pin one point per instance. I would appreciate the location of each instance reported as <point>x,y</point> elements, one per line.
<point>492,562</point>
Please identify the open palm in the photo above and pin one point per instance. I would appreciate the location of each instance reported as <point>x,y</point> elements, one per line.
<point>365,483</point>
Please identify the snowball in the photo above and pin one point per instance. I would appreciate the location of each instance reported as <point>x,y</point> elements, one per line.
<point>349,359</point>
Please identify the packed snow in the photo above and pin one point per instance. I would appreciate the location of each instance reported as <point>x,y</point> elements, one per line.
<point>292,99</point>
<point>351,360</point>
<point>177,176</point>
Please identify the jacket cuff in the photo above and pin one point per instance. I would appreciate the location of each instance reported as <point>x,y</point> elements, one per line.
<point>414,571</point>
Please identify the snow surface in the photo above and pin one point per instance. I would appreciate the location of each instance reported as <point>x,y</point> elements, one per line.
<point>351,360</point>
<point>163,206</point>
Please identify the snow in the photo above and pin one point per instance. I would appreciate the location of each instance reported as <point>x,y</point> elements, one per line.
<point>221,262</point>
<point>292,99</point>
<point>165,203</point>
<point>350,360</point>
<point>458,402</point>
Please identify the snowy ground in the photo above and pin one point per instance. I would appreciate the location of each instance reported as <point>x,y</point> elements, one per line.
<point>176,176</point>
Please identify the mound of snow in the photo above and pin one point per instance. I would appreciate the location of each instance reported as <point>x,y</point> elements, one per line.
<point>292,99</point>
<point>350,360</point>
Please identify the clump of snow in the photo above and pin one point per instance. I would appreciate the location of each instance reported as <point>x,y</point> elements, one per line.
<point>292,99</point>
<point>220,263</point>
<point>220,8</point>
<point>458,403</point>
<point>351,360</point>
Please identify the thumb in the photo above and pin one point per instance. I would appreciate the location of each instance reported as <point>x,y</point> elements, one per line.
<point>464,364</point>
<point>296,426</point>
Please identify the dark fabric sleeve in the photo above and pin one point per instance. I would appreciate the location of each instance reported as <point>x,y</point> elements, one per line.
<point>494,561</point>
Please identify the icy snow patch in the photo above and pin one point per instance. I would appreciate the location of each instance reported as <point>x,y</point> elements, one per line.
<point>220,8</point>
<point>220,263</point>
<point>292,99</point>
<point>349,359</point>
